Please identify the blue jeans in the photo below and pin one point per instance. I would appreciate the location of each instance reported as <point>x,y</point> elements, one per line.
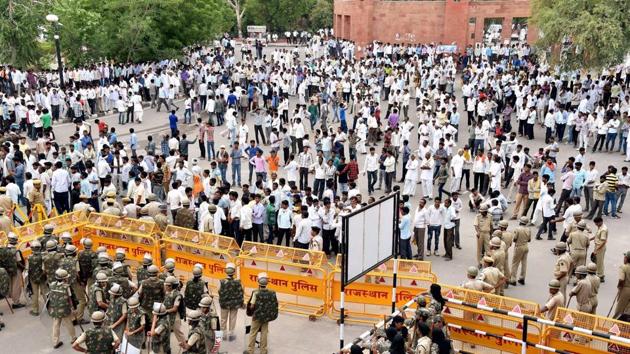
<point>611,137</point>
<point>576,192</point>
<point>622,143</point>
<point>430,233</point>
<point>187,116</point>
<point>610,198</point>
<point>236,174</point>
<point>210,149</point>
<point>223,170</point>
<point>372,178</point>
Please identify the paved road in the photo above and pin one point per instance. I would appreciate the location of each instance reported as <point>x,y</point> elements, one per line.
<point>290,334</point>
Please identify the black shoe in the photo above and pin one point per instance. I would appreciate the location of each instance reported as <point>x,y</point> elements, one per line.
<point>17,306</point>
<point>521,281</point>
<point>551,238</point>
<point>459,248</point>
<point>538,238</point>
<point>75,322</point>
<point>59,344</point>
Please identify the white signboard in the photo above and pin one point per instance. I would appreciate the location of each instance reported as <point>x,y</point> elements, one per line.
<point>256,29</point>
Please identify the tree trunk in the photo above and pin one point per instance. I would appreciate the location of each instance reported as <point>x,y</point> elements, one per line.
<point>239,23</point>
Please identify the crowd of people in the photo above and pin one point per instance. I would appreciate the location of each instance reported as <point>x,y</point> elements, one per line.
<point>323,131</point>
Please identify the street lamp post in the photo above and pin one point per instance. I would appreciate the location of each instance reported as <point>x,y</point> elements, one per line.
<point>54,19</point>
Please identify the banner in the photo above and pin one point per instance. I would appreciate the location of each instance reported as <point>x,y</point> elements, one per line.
<point>133,251</point>
<point>375,294</point>
<point>212,268</point>
<point>286,283</point>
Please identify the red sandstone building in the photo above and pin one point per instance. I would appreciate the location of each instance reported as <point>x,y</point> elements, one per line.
<point>460,22</point>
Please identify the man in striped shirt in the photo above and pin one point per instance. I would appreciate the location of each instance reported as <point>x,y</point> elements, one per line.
<point>611,192</point>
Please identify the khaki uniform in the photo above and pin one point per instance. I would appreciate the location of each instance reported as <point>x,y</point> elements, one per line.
<point>601,237</point>
<point>81,206</point>
<point>563,264</point>
<point>498,256</point>
<point>477,285</point>
<point>579,246</point>
<point>35,197</point>
<point>624,293</point>
<point>492,276</point>
<point>152,208</point>
<point>6,202</point>
<point>484,224</point>
<point>111,210</point>
<point>6,225</point>
<point>595,282</point>
<point>508,238</point>
<point>161,220</point>
<point>522,237</point>
<point>582,292</point>
<point>556,300</point>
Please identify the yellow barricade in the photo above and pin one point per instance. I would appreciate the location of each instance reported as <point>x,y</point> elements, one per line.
<point>298,276</point>
<point>369,297</point>
<point>189,247</point>
<point>488,321</point>
<point>581,343</point>
<point>136,237</point>
<point>70,222</point>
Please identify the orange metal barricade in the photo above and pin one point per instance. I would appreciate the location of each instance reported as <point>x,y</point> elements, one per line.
<point>298,276</point>
<point>70,222</point>
<point>369,297</point>
<point>189,247</point>
<point>582,343</point>
<point>136,237</point>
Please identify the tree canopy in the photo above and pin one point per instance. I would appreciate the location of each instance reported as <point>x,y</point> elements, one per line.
<point>583,33</point>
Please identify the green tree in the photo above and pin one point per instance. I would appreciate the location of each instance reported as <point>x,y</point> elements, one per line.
<point>279,15</point>
<point>322,15</point>
<point>583,33</point>
<point>21,23</point>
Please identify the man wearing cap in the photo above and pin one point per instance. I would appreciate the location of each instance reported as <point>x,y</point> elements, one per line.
<point>195,289</point>
<point>555,300</point>
<point>209,321</point>
<point>231,298</point>
<point>160,333</point>
<point>483,227</point>
<point>498,255</point>
<point>207,222</point>
<point>592,277</point>
<point>98,293</point>
<point>111,209</point>
<point>87,260</point>
<point>161,218</point>
<point>196,338</point>
<point>582,290</point>
<point>185,216</point>
<point>151,290</point>
<point>60,303</point>
<point>48,230</point>
<point>116,310</point>
<point>492,275</point>
<point>70,265</point>
<point>172,300</point>
<point>578,241</point>
<point>473,283</point>
<point>153,206</point>
<point>51,260</point>
<point>562,266</point>
<point>83,205</point>
<point>129,209</point>
<point>36,275</point>
<point>100,339</point>
<point>264,306</point>
<point>136,322</point>
<point>142,272</point>
<point>623,287</point>
<point>600,239</point>
<point>522,237</point>
<point>6,225</point>
<point>36,198</point>
<point>13,261</point>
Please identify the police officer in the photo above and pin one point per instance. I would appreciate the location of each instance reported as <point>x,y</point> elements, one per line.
<point>161,218</point>
<point>83,204</point>
<point>6,225</point>
<point>121,257</point>
<point>492,275</point>
<point>60,303</point>
<point>483,227</point>
<point>160,332</point>
<point>476,284</point>
<point>600,239</point>
<point>231,298</point>
<point>582,290</point>
<point>195,288</point>
<point>153,206</point>
<point>120,277</point>
<point>623,287</point>
<point>136,322</point>
<point>196,343</point>
<point>578,240</point>
<point>18,264</point>
<point>591,268</point>
<point>36,197</point>
<point>116,310</point>
<point>51,260</point>
<point>36,275</point>
<point>87,259</point>
<point>522,237</point>
<point>98,291</point>
<point>265,309</point>
<point>562,266</point>
<point>100,339</point>
<point>151,290</point>
<point>508,239</point>
<point>209,320</point>
<point>555,300</point>
<point>70,265</point>
<point>141,272</point>
<point>48,230</point>
<point>111,209</point>
<point>172,302</point>
<point>185,216</point>
<point>66,239</point>
<point>104,265</point>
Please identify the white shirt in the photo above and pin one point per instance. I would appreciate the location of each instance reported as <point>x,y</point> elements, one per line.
<point>303,231</point>
<point>284,218</point>
<point>371,163</point>
<point>548,205</point>
<point>60,181</point>
<point>435,216</point>
<point>420,218</point>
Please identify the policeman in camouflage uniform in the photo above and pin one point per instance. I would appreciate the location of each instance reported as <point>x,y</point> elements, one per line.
<point>483,227</point>
<point>591,268</point>
<point>70,265</point>
<point>172,302</point>
<point>161,218</point>
<point>120,277</point>
<point>562,267</point>
<point>60,306</point>
<point>185,217</point>
<point>17,264</point>
<point>195,289</point>
<point>4,287</point>
<point>522,238</point>
<point>36,275</point>
<point>209,320</point>
<point>98,291</point>
<point>51,261</point>
<point>169,269</point>
<point>48,230</point>
<point>160,333</point>
<point>196,343</point>
<point>66,239</point>
<point>231,298</point>
<point>104,265</point>
<point>151,290</point>
<point>121,257</point>
<point>265,305</point>
<point>87,259</point>
<point>136,322</point>
<point>141,272</point>
<point>100,339</point>
<point>116,310</point>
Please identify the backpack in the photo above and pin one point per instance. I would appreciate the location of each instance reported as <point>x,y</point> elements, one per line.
<point>4,282</point>
<point>266,308</point>
<point>7,260</point>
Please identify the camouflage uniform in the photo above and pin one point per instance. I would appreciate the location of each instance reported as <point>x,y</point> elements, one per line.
<point>99,340</point>
<point>87,259</point>
<point>123,281</point>
<point>161,220</point>
<point>51,264</point>
<point>141,274</point>
<point>173,299</point>
<point>161,341</point>
<point>70,265</point>
<point>116,308</point>
<point>151,290</point>
<point>266,310</point>
<point>60,309</point>
<point>5,281</point>
<point>185,218</point>
<point>97,293</point>
<point>135,319</point>
<point>37,278</point>
<point>231,298</point>
<point>197,337</point>
<point>195,288</point>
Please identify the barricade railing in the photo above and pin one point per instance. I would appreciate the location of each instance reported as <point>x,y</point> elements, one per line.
<point>136,237</point>
<point>576,331</point>
<point>70,222</point>
<point>297,275</point>
<point>366,298</point>
<point>189,247</point>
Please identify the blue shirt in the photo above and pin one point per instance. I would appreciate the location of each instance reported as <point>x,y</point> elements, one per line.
<point>112,139</point>
<point>172,120</point>
<point>231,100</point>
<point>455,118</point>
<point>251,151</point>
<point>133,141</point>
<point>580,179</point>
<point>405,227</point>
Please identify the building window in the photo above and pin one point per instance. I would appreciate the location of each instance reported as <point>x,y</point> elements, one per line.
<point>472,20</point>
<point>519,30</point>
<point>492,29</point>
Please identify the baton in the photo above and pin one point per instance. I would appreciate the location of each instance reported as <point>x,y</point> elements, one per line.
<point>613,304</point>
<point>8,304</point>
<point>569,302</point>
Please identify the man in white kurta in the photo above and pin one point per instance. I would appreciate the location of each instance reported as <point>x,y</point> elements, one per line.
<point>411,178</point>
